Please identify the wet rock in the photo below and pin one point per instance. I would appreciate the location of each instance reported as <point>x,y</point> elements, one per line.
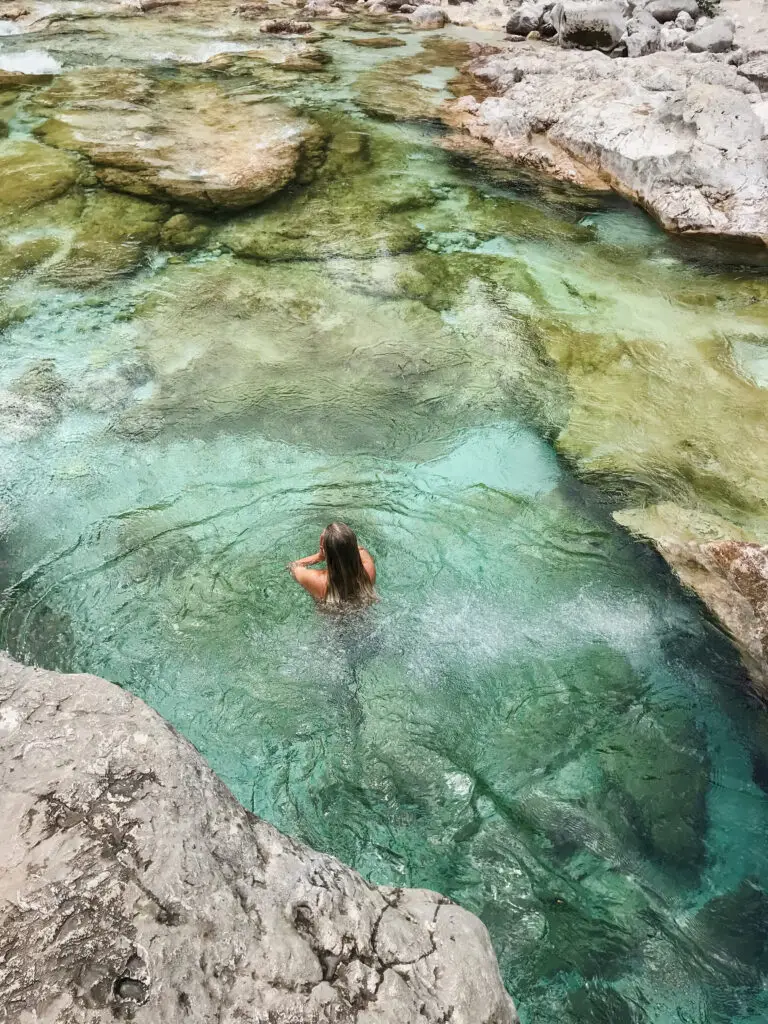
<point>299,55</point>
<point>110,239</point>
<point>734,927</point>
<point>598,26</point>
<point>135,885</point>
<point>668,10</point>
<point>684,20</point>
<point>22,418</point>
<point>12,12</point>
<point>660,770</point>
<point>185,141</point>
<point>32,173</point>
<point>184,232</point>
<point>21,79</point>
<point>378,42</point>
<point>723,566</point>
<point>716,37</point>
<point>283,26</point>
<point>426,16</point>
<point>251,11</point>
<point>42,382</point>
<point>681,137</point>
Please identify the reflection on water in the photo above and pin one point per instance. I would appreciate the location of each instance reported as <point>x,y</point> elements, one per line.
<point>534,720</point>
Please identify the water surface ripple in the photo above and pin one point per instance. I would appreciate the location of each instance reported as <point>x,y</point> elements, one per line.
<point>536,720</point>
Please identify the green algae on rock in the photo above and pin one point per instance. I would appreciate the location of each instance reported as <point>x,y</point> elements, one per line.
<point>662,779</point>
<point>378,42</point>
<point>368,200</point>
<point>31,173</point>
<point>190,142</point>
<point>396,89</point>
<point>109,240</point>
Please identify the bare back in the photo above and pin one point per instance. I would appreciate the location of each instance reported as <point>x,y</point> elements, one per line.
<point>315,581</point>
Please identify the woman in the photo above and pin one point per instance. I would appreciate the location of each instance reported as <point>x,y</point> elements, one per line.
<point>348,580</point>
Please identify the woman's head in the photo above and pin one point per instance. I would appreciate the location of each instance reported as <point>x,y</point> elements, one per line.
<point>348,582</point>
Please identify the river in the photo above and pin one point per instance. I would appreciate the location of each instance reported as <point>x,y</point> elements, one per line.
<point>536,720</point>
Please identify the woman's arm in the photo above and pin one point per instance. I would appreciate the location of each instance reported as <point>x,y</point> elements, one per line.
<point>309,560</point>
<point>312,580</point>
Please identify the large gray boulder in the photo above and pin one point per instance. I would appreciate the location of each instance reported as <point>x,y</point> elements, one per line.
<point>427,16</point>
<point>680,133</point>
<point>715,37</point>
<point>526,18</point>
<point>134,886</point>
<point>668,10</point>
<point>598,26</point>
<point>642,34</point>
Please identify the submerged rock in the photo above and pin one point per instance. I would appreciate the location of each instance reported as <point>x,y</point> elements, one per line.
<point>136,885</point>
<point>662,778</point>
<point>32,173</point>
<point>378,42</point>
<point>110,240</point>
<point>22,417</point>
<point>733,928</point>
<point>42,382</point>
<point>184,141</point>
<point>679,136</point>
<point>394,90</point>
<point>723,566</point>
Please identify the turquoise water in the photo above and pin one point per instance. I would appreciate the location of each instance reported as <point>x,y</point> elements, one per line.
<point>536,720</point>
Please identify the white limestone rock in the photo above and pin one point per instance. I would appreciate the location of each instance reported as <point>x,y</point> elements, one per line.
<point>134,886</point>
<point>675,131</point>
<point>714,37</point>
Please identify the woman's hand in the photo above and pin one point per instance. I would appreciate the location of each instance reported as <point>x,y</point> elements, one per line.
<point>309,560</point>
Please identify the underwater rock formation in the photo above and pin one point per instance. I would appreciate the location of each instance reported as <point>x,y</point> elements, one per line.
<point>183,141</point>
<point>135,885</point>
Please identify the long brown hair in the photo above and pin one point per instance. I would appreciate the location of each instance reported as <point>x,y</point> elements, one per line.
<point>348,582</point>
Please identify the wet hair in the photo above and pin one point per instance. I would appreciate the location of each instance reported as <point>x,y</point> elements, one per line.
<point>348,582</point>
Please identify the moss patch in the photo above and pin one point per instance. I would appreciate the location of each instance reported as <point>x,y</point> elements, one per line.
<point>31,173</point>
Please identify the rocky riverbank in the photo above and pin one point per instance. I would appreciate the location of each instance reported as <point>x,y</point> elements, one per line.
<point>136,887</point>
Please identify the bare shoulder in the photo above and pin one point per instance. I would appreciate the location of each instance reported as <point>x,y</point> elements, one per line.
<point>314,581</point>
<point>368,564</point>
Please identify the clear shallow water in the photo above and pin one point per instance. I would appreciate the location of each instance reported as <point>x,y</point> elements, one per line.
<point>535,720</point>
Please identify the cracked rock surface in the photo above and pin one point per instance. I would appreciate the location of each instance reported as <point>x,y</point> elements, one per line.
<point>134,886</point>
<point>682,135</point>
